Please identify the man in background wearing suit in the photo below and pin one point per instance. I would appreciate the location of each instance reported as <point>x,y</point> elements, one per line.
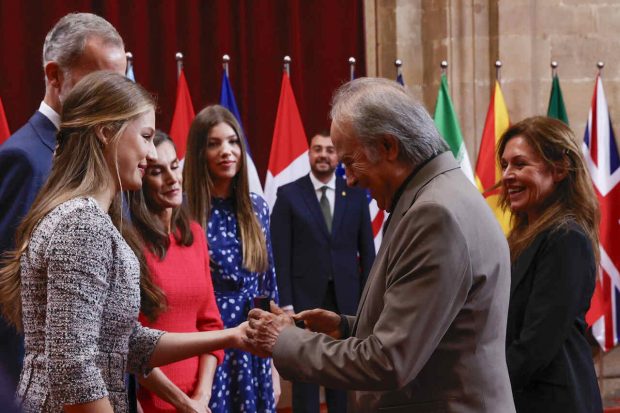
<point>429,333</point>
<point>319,227</point>
<point>80,43</point>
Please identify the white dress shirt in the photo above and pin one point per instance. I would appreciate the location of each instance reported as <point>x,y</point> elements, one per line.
<point>330,193</point>
<point>50,113</point>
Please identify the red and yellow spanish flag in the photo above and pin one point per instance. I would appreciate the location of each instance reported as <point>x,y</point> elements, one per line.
<point>488,171</point>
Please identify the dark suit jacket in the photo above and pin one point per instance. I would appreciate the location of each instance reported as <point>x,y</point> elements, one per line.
<point>429,331</point>
<point>25,163</point>
<point>306,254</point>
<point>549,360</point>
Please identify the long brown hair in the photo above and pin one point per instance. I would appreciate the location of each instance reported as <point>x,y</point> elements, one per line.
<point>573,198</point>
<point>155,236</point>
<point>198,185</point>
<point>101,101</point>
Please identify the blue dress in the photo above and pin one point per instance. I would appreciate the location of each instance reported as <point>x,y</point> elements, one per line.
<point>242,383</point>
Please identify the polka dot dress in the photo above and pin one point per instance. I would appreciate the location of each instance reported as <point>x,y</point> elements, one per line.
<point>242,382</point>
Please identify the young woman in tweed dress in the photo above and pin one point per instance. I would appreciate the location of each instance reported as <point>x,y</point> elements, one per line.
<point>73,282</point>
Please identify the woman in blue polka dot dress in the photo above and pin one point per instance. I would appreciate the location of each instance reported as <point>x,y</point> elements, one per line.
<point>237,225</point>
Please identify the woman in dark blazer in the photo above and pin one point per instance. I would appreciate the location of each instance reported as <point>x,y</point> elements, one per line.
<point>554,253</point>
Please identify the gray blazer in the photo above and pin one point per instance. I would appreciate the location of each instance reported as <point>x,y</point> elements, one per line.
<point>430,327</point>
<point>80,300</point>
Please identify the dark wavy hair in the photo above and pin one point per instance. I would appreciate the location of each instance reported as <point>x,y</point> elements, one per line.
<point>154,234</point>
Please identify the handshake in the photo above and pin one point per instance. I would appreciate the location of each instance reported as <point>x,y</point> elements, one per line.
<point>260,333</point>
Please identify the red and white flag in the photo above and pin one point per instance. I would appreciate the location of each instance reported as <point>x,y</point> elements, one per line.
<point>183,116</point>
<point>288,159</point>
<point>4,125</point>
<point>601,153</point>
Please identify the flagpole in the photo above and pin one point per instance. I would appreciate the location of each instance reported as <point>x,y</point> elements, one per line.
<point>600,65</point>
<point>498,67</point>
<point>129,57</point>
<point>398,65</point>
<point>287,65</point>
<point>351,68</point>
<point>225,61</point>
<point>554,68</point>
<point>179,58</point>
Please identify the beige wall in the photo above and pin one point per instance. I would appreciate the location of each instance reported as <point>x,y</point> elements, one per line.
<point>524,34</point>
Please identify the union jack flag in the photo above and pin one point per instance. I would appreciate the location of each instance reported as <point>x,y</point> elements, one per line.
<point>601,153</point>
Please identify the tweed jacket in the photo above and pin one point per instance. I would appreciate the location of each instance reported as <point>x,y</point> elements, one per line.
<point>80,299</point>
<point>430,327</point>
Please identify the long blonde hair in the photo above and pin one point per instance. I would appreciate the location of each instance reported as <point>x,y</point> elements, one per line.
<point>573,198</point>
<point>198,185</point>
<point>101,101</point>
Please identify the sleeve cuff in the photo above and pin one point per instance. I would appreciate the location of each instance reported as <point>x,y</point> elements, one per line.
<point>142,342</point>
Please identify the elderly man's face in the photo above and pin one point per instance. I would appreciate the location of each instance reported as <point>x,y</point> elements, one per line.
<point>364,168</point>
<point>97,55</point>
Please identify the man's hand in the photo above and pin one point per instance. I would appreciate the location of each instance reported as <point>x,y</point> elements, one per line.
<point>321,321</point>
<point>264,328</point>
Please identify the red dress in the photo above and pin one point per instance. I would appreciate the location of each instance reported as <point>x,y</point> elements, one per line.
<point>185,278</point>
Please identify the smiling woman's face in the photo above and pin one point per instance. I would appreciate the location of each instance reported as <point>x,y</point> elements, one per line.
<point>223,153</point>
<point>163,179</point>
<point>527,180</point>
<point>129,157</point>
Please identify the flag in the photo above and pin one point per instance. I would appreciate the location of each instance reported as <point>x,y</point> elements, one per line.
<point>129,72</point>
<point>227,99</point>
<point>182,117</point>
<point>4,125</point>
<point>288,159</point>
<point>601,154</point>
<point>448,125</point>
<point>556,107</point>
<point>400,79</point>
<point>488,172</point>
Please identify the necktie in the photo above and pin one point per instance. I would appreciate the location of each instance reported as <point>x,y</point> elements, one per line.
<point>327,213</point>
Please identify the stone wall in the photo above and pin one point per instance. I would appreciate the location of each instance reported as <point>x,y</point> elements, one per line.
<point>526,35</point>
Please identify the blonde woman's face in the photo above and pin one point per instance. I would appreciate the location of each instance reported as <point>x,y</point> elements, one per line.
<point>134,150</point>
<point>223,153</point>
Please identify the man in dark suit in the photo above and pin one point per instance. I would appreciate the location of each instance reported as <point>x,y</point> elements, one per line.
<point>80,43</point>
<point>429,332</point>
<point>323,250</point>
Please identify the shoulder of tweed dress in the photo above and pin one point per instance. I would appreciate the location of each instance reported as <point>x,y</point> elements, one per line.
<point>71,249</point>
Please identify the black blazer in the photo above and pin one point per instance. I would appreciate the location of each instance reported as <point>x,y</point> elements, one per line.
<point>549,359</point>
<point>305,254</point>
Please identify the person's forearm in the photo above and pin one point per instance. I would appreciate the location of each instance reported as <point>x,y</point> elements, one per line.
<point>173,347</point>
<point>275,378</point>
<point>98,406</point>
<point>206,372</point>
<point>159,384</point>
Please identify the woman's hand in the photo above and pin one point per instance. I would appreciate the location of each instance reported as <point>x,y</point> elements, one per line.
<point>321,321</point>
<point>193,405</point>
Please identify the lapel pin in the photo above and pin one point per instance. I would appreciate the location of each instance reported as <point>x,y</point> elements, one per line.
<point>344,193</point>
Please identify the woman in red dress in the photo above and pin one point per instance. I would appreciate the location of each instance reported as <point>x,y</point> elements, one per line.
<point>179,295</point>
